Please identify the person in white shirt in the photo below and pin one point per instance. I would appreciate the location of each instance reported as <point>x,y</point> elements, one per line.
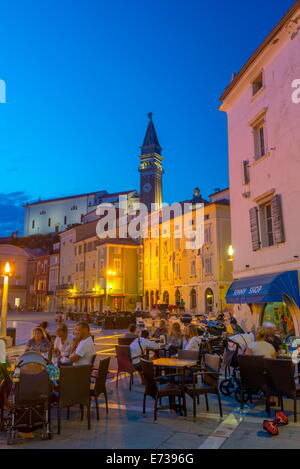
<point>139,347</point>
<point>192,338</point>
<point>85,350</point>
<point>63,343</point>
<point>260,346</point>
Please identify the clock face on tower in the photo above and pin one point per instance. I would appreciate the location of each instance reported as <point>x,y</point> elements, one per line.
<point>147,187</point>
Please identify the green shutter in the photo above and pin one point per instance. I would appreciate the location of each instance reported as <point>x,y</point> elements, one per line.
<point>254,226</point>
<point>277,219</point>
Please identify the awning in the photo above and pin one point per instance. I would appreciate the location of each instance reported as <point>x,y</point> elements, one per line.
<point>269,288</point>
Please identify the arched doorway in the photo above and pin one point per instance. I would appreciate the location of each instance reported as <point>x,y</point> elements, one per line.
<point>177,297</point>
<point>193,299</point>
<point>166,298</point>
<point>151,298</point>
<point>156,296</point>
<point>147,299</point>
<point>209,300</point>
<point>280,315</point>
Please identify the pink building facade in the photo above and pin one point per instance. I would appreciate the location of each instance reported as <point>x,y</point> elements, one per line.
<point>263,109</point>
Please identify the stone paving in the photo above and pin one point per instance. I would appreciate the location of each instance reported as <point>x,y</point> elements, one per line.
<point>125,427</point>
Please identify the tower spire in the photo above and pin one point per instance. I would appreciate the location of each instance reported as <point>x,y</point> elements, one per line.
<point>151,143</point>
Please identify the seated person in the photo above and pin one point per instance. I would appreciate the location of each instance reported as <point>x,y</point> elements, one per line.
<point>161,330</point>
<point>139,346</point>
<point>192,338</point>
<point>38,342</point>
<point>63,343</point>
<point>131,334</point>
<point>174,338</point>
<point>85,350</point>
<point>260,346</point>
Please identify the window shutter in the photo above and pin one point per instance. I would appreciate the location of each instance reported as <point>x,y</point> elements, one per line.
<point>254,226</point>
<point>277,219</point>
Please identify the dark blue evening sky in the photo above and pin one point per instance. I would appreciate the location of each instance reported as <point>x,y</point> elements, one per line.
<point>82,75</point>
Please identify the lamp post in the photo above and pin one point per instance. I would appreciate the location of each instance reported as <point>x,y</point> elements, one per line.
<point>6,274</point>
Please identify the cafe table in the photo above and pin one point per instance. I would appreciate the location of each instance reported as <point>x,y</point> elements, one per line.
<point>177,364</point>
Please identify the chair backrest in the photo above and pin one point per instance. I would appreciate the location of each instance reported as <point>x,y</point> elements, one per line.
<point>252,371</point>
<point>188,354</point>
<point>150,382</point>
<point>125,340</point>
<point>212,363</point>
<point>280,375</point>
<point>124,359</point>
<point>74,385</point>
<point>102,375</point>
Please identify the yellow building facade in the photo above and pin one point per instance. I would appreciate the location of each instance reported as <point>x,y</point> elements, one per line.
<point>198,277</point>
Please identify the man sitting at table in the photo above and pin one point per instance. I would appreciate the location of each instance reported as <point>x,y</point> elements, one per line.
<point>139,347</point>
<point>85,350</point>
<point>131,334</point>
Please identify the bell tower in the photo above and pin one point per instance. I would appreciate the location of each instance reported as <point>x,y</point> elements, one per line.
<point>150,168</point>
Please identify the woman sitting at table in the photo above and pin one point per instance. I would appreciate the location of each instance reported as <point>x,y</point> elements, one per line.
<point>63,343</point>
<point>38,342</point>
<point>162,330</point>
<point>174,339</point>
<point>192,338</point>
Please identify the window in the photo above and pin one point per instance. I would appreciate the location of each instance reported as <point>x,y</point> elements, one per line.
<point>177,269</point>
<point>79,250</point>
<point>269,224</point>
<point>56,229</point>
<point>65,220</point>
<point>33,224</point>
<point>207,235</point>
<point>177,244</point>
<point>49,221</point>
<point>156,250</point>
<point>207,266</point>
<point>117,264</point>
<point>166,272</point>
<point>259,132</point>
<point>101,264</point>
<point>82,218</point>
<point>257,84</point>
<point>193,268</point>
<point>266,224</point>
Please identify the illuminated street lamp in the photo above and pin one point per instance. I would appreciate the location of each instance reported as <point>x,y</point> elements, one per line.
<point>6,274</point>
<point>230,253</point>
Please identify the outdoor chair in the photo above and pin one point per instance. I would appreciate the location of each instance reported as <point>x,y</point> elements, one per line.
<point>98,385</point>
<point>281,377</point>
<point>124,363</point>
<point>188,355</point>
<point>74,389</point>
<point>253,377</point>
<point>209,383</point>
<point>157,390</point>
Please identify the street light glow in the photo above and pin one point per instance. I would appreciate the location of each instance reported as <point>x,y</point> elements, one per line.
<point>7,270</point>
